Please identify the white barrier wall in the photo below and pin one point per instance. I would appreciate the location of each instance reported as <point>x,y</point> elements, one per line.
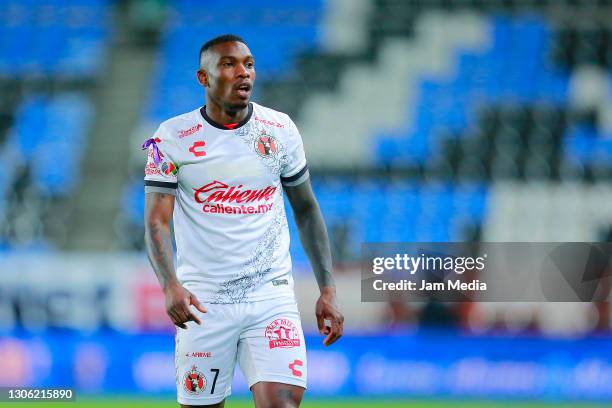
<point>87,291</point>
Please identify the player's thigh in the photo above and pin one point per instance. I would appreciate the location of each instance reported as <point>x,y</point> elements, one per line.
<point>271,347</point>
<point>206,356</point>
<point>277,395</point>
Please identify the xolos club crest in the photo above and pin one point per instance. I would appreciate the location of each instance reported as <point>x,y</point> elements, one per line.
<point>265,145</point>
<point>194,381</point>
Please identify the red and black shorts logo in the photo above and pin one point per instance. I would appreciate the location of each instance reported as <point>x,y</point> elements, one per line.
<point>194,382</point>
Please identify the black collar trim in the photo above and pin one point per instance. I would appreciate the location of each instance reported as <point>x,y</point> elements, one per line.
<point>221,126</point>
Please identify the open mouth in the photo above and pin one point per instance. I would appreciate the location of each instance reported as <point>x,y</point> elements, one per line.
<point>243,89</point>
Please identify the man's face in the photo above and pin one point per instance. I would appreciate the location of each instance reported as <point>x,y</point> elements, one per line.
<point>229,76</point>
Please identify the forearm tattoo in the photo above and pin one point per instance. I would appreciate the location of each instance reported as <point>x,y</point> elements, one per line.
<point>159,244</point>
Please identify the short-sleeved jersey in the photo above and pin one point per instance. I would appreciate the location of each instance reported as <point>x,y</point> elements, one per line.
<point>230,227</point>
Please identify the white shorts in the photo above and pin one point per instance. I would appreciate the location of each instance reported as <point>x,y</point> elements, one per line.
<point>265,338</point>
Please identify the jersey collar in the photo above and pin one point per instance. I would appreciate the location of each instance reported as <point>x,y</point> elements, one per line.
<point>231,126</point>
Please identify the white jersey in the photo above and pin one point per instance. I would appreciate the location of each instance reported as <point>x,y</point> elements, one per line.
<point>230,227</point>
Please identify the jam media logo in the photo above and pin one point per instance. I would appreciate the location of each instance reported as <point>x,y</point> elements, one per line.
<point>282,333</point>
<point>294,370</point>
<point>265,145</point>
<point>190,131</point>
<point>223,193</point>
<point>169,168</point>
<point>194,382</point>
<point>197,145</point>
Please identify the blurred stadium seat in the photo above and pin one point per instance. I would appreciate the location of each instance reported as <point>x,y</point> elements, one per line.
<point>49,51</point>
<point>65,38</point>
<point>275,31</point>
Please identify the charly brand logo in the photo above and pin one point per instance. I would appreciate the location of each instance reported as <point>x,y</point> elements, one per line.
<point>190,131</point>
<point>282,333</point>
<point>265,145</point>
<point>197,148</point>
<point>194,381</point>
<point>294,370</point>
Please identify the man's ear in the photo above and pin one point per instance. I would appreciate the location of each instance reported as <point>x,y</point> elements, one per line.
<point>202,77</point>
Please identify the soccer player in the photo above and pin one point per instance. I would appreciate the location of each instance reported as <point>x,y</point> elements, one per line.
<point>220,172</point>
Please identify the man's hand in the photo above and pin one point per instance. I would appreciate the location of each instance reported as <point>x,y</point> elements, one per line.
<point>327,309</point>
<point>178,300</point>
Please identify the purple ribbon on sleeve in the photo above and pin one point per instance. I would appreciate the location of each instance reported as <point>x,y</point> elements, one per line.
<point>156,156</point>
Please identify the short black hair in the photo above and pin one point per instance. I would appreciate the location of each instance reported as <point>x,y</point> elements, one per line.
<point>219,40</point>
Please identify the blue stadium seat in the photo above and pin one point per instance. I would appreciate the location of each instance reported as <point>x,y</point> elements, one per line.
<point>518,55</point>
<point>133,199</point>
<point>49,134</point>
<point>65,38</point>
<point>579,143</point>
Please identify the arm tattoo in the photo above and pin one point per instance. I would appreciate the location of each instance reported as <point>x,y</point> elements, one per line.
<point>159,243</point>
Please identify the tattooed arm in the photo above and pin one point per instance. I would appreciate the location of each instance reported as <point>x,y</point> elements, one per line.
<point>158,213</point>
<point>315,241</point>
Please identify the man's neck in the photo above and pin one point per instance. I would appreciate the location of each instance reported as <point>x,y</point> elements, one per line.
<point>216,113</point>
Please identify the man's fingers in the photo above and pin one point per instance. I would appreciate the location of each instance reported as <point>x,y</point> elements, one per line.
<point>321,323</point>
<point>337,329</point>
<point>196,303</point>
<point>190,316</point>
<point>173,316</point>
<point>199,306</point>
<point>179,318</point>
<point>331,338</point>
<point>339,322</point>
<point>176,320</point>
<point>193,318</point>
<point>179,308</point>
<point>182,311</point>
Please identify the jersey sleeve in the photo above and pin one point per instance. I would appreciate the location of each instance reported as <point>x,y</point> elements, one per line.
<point>161,171</point>
<point>295,171</point>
